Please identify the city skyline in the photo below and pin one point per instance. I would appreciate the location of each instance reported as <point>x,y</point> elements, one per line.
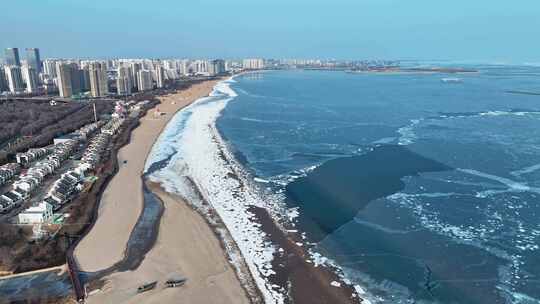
<point>388,29</point>
<point>76,78</point>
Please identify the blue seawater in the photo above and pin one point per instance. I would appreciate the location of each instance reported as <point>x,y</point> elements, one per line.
<point>424,191</point>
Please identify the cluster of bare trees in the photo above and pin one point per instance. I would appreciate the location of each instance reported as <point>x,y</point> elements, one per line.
<point>20,118</point>
<point>35,123</point>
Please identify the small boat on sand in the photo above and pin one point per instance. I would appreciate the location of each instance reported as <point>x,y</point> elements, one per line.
<point>175,282</point>
<point>146,287</point>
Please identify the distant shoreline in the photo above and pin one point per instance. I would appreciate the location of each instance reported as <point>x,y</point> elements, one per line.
<point>522,92</point>
<point>398,70</point>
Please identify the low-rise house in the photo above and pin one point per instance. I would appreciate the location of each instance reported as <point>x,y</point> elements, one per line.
<point>32,155</point>
<point>41,213</point>
<point>11,199</point>
<point>98,144</point>
<point>66,138</point>
<point>59,198</point>
<point>8,171</point>
<point>19,193</point>
<point>112,126</point>
<point>6,204</point>
<point>74,175</point>
<point>65,187</point>
<point>81,134</point>
<point>47,168</point>
<point>36,173</point>
<point>34,176</point>
<point>26,185</point>
<point>55,202</point>
<point>14,197</point>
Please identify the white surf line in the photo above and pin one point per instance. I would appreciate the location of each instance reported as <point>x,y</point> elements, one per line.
<point>428,194</point>
<point>407,133</point>
<point>161,151</point>
<point>284,179</point>
<point>513,186</point>
<point>385,229</point>
<point>408,136</point>
<point>526,170</point>
<point>202,156</point>
<point>518,298</point>
<point>501,113</point>
<point>467,183</point>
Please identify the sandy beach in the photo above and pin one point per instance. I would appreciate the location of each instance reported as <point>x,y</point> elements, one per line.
<point>122,200</point>
<point>186,246</point>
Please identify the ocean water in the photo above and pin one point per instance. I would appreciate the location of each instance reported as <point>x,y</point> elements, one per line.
<point>421,191</point>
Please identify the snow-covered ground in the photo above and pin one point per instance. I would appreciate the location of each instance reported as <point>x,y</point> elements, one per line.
<point>197,154</point>
<point>196,150</point>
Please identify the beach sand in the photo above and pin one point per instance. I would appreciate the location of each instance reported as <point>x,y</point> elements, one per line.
<point>122,200</point>
<point>186,247</point>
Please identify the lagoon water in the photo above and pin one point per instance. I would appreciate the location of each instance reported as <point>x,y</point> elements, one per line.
<point>422,191</point>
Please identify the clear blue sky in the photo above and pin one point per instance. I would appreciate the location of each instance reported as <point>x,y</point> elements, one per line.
<point>485,30</point>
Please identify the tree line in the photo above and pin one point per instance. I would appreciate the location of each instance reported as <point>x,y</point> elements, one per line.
<point>36,123</point>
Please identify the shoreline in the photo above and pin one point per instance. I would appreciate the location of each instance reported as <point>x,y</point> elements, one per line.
<point>179,178</point>
<point>294,270</point>
<point>223,186</point>
<point>264,263</point>
<point>150,128</point>
<point>110,230</point>
<point>228,247</point>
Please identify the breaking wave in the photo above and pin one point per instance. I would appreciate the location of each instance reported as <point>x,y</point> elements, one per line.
<point>408,135</point>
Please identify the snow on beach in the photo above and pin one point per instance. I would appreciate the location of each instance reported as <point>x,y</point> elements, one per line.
<point>197,153</point>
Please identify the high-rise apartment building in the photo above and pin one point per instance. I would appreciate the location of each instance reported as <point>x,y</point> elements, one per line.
<point>104,82</point>
<point>183,67</point>
<point>3,81</point>
<point>49,67</point>
<point>145,80</point>
<point>160,76</point>
<point>31,78</point>
<point>76,79</point>
<point>110,64</point>
<point>123,80</point>
<point>33,59</point>
<point>135,68</point>
<point>84,75</point>
<point>14,78</point>
<point>49,85</point>
<point>98,79</point>
<point>11,57</point>
<point>201,66</point>
<point>170,64</point>
<point>216,67</point>
<point>253,64</point>
<point>64,81</point>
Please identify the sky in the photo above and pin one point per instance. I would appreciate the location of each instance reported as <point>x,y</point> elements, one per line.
<point>497,31</point>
